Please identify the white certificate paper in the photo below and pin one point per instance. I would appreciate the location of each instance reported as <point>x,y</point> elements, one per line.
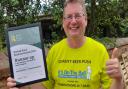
<point>26,54</point>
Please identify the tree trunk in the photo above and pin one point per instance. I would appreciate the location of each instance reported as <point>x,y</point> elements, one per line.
<point>92,19</point>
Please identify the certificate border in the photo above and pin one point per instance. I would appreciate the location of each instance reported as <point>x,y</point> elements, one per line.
<point>42,46</point>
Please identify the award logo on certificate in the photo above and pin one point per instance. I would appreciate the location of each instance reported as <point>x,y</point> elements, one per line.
<point>26,54</point>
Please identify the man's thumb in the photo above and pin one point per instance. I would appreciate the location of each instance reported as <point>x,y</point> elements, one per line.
<point>114,53</point>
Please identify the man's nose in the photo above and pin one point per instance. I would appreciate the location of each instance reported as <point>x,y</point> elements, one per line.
<point>73,19</point>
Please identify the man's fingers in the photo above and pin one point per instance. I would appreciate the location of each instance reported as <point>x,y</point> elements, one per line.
<point>114,53</point>
<point>112,62</point>
<point>14,88</point>
<point>10,80</point>
<point>111,67</point>
<point>10,84</point>
<point>113,73</point>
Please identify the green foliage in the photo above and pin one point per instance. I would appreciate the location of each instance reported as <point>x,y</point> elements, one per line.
<point>2,49</point>
<point>109,19</point>
<point>106,20</point>
<point>124,27</point>
<point>0,44</point>
<point>15,13</point>
<point>108,42</point>
<point>57,11</point>
<point>55,37</point>
<point>2,38</point>
<point>18,12</point>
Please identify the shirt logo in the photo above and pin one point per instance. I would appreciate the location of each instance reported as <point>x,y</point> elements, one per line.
<point>86,74</point>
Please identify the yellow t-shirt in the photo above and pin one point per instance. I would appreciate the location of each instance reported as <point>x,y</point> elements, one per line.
<point>79,68</point>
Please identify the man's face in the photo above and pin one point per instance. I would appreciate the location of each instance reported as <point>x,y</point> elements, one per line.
<point>74,20</point>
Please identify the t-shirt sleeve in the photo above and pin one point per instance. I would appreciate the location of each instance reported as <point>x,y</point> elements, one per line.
<point>105,79</point>
<point>50,82</point>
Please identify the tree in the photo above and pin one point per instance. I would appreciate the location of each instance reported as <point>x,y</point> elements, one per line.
<point>17,12</point>
<point>106,18</point>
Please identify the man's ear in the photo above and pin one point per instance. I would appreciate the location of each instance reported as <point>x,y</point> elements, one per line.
<point>86,19</point>
<point>62,21</point>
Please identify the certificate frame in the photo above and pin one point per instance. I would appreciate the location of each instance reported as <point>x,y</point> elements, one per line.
<point>23,55</point>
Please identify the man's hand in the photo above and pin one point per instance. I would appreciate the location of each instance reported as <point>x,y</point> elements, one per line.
<point>114,71</point>
<point>113,66</point>
<point>11,83</point>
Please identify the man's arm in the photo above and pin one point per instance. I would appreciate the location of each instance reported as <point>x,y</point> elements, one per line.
<point>117,84</point>
<point>114,71</point>
<point>37,86</point>
<point>11,83</point>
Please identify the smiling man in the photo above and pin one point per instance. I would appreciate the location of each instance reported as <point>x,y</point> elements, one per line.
<point>79,62</point>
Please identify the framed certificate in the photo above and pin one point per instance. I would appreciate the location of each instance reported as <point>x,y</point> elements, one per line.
<point>26,54</point>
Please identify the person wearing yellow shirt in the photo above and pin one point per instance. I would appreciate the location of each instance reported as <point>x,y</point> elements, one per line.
<point>79,62</point>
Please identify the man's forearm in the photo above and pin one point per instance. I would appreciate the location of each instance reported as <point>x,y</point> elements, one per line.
<point>117,84</point>
<point>37,86</point>
<point>34,86</point>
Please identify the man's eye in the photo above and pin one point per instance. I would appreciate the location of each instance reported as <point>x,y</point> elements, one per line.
<point>69,17</point>
<point>77,15</point>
